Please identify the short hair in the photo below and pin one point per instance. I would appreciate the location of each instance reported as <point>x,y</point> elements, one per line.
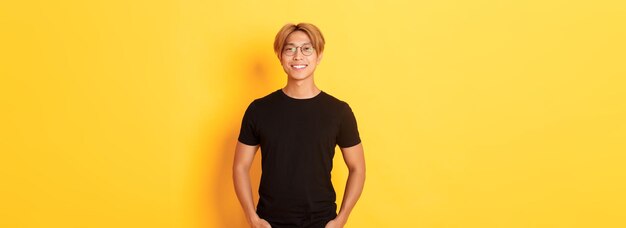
<point>314,33</point>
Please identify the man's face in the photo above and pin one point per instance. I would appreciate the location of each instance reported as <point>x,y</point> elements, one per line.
<point>299,65</point>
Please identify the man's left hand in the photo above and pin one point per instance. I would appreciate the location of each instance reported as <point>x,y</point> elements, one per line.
<point>334,224</point>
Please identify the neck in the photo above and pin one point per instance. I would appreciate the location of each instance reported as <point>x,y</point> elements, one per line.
<point>301,89</point>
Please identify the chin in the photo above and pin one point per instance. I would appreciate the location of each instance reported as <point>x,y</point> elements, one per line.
<point>300,76</point>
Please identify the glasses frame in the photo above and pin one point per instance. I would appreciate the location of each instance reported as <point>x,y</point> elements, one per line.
<point>292,53</point>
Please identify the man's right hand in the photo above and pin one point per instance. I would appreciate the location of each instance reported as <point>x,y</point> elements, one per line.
<point>259,223</point>
<point>244,155</point>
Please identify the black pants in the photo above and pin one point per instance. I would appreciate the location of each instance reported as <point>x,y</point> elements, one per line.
<point>313,220</point>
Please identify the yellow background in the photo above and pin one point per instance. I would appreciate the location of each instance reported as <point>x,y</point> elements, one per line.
<point>472,113</point>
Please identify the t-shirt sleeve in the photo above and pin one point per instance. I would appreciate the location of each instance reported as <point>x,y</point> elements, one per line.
<point>248,133</point>
<point>348,131</point>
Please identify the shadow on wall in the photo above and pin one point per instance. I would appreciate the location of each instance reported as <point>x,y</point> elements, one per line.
<point>257,78</point>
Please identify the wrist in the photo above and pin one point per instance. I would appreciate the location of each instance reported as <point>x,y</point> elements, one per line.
<point>341,219</point>
<point>253,218</point>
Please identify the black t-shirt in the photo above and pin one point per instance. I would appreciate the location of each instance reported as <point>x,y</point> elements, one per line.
<point>297,139</point>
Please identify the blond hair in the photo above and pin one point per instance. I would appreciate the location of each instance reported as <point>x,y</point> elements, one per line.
<point>314,33</point>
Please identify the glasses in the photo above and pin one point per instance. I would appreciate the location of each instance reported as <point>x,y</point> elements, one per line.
<point>306,49</point>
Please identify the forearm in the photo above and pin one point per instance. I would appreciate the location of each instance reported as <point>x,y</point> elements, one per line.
<point>243,189</point>
<point>354,187</point>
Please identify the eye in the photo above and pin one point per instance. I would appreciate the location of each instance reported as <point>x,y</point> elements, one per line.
<point>291,49</point>
<point>307,48</point>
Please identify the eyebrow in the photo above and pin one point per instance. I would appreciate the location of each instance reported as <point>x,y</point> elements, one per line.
<point>295,44</point>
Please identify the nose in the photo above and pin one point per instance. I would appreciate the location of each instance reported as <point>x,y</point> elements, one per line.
<point>298,55</point>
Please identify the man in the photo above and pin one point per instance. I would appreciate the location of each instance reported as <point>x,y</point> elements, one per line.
<point>297,128</point>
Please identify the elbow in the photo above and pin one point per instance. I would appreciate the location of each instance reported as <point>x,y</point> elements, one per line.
<point>357,171</point>
<point>240,169</point>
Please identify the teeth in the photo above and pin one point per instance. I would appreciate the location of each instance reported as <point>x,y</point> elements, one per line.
<point>299,66</point>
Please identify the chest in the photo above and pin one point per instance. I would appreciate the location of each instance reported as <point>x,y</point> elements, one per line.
<point>305,125</point>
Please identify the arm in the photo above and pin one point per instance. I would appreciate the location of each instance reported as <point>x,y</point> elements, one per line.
<point>355,160</point>
<point>244,155</point>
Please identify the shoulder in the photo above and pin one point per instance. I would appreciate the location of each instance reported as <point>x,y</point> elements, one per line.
<point>264,102</point>
<point>269,98</point>
<point>336,102</point>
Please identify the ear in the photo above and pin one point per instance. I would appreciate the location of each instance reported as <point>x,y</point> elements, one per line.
<point>319,57</point>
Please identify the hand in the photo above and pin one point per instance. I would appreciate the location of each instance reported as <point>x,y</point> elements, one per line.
<point>334,224</point>
<point>260,223</point>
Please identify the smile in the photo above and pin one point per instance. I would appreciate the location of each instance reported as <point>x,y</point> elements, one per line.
<point>302,66</point>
